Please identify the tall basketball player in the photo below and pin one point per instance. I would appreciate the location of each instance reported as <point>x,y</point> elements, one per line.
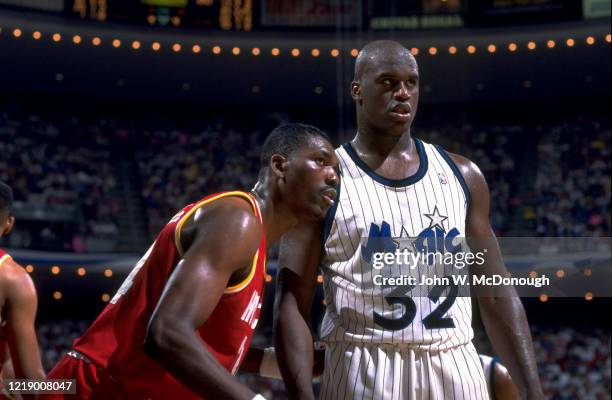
<point>384,343</point>
<point>18,303</point>
<point>180,325</point>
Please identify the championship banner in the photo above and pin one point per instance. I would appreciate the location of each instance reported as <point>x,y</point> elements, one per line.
<point>310,13</point>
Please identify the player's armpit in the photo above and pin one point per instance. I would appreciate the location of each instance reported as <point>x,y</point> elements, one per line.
<point>299,258</point>
<point>21,305</point>
<point>228,236</point>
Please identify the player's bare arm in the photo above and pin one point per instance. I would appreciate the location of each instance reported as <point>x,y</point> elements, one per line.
<point>7,365</point>
<point>21,303</point>
<point>509,335</point>
<point>299,256</point>
<point>227,237</point>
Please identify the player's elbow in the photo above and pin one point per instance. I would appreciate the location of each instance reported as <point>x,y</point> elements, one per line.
<point>161,337</point>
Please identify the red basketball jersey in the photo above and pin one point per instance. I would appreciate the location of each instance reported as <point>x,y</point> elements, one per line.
<point>114,341</point>
<point>3,335</point>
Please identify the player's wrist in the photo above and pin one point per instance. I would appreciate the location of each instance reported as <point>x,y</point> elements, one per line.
<point>269,365</point>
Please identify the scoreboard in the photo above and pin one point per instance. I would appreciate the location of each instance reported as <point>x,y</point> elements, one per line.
<point>208,14</point>
<point>321,15</point>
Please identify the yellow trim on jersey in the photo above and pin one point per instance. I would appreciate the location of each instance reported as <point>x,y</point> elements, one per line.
<point>239,286</point>
<point>4,258</point>
<point>177,233</point>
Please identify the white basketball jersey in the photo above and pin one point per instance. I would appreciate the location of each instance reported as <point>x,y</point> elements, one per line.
<point>431,203</point>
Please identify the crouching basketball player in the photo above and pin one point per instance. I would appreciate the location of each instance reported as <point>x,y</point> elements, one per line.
<point>180,325</point>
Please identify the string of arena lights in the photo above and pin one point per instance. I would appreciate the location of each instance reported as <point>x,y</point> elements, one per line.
<point>196,48</point>
<point>57,295</point>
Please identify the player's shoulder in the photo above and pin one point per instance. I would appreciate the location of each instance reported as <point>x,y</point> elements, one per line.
<point>236,214</point>
<point>465,165</point>
<point>469,170</point>
<point>10,269</point>
<point>235,207</point>
<point>14,280</point>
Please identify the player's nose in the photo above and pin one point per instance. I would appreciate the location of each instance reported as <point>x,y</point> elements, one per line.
<point>331,177</point>
<point>402,92</point>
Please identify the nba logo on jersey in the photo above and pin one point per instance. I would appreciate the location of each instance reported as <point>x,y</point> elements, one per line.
<point>442,178</point>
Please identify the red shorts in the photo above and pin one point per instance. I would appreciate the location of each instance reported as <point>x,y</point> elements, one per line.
<point>90,382</point>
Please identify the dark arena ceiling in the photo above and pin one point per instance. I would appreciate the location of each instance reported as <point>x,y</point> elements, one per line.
<point>40,52</point>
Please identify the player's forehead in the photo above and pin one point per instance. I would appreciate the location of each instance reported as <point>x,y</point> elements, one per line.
<point>392,67</point>
<point>316,147</point>
<point>388,61</point>
<point>317,144</point>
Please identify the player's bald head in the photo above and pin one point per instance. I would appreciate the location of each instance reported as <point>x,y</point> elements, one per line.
<point>381,52</point>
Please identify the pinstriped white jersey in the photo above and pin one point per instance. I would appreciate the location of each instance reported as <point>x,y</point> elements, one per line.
<point>433,201</point>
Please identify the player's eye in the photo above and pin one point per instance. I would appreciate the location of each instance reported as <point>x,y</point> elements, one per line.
<point>320,161</point>
<point>387,82</point>
<point>411,82</point>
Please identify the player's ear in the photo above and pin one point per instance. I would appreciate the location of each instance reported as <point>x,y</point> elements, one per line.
<point>8,225</point>
<point>277,165</point>
<point>356,90</point>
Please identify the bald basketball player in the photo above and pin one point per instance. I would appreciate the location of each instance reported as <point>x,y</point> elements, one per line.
<point>181,323</point>
<point>18,304</point>
<point>386,342</point>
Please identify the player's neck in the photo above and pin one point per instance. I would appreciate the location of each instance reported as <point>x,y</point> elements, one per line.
<point>276,219</point>
<point>379,146</point>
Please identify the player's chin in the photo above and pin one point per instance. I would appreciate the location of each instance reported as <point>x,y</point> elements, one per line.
<point>395,129</point>
<point>317,211</point>
<point>399,127</point>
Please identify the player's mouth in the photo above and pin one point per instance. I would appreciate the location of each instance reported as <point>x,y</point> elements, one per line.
<point>329,195</point>
<point>401,112</point>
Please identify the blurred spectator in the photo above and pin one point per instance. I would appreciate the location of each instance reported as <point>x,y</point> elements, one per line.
<point>60,165</point>
<point>572,187</point>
